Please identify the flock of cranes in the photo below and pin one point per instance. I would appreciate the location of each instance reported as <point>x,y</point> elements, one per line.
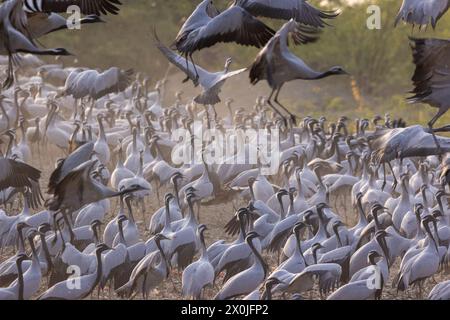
<point>288,234</point>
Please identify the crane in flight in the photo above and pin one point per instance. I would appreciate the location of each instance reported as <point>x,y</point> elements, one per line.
<point>431,77</point>
<point>277,65</point>
<point>207,26</point>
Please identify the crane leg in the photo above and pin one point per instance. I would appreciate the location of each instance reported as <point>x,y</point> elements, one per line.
<point>215,113</point>
<point>394,185</point>
<point>9,74</point>
<point>187,68</point>
<point>142,203</point>
<point>195,69</point>
<point>439,114</point>
<point>208,123</point>
<point>198,212</point>
<point>384,176</point>
<point>75,111</point>
<point>293,117</point>
<point>275,109</point>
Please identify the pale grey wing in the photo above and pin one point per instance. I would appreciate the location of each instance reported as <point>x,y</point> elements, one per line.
<point>300,10</point>
<point>42,23</point>
<point>76,158</point>
<point>328,274</point>
<point>35,196</point>
<point>68,87</point>
<point>149,261</point>
<point>210,96</point>
<point>69,192</point>
<point>328,281</point>
<point>109,81</point>
<point>17,174</point>
<point>431,77</point>
<point>180,62</point>
<point>87,7</point>
<point>224,77</point>
<point>422,12</point>
<point>233,25</point>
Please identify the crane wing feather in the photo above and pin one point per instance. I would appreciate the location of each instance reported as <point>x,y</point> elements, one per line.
<point>233,25</point>
<point>87,7</point>
<point>422,12</point>
<point>431,77</point>
<point>17,174</point>
<point>300,10</point>
<point>412,141</point>
<point>180,62</point>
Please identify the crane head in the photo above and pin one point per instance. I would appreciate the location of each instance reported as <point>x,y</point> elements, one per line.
<point>337,70</point>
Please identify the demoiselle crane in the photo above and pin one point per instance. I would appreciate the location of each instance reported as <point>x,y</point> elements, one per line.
<point>90,190</point>
<point>421,13</point>
<point>210,82</point>
<point>300,10</point>
<point>15,31</point>
<point>430,57</point>
<point>207,26</point>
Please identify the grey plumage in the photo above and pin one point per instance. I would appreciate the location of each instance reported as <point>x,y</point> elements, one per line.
<point>413,141</point>
<point>79,188</point>
<point>209,81</point>
<point>16,36</point>
<point>300,10</point>
<point>431,77</point>
<point>93,84</point>
<point>420,12</point>
<point>79,156</point>
<point>276,64</point>
<point>21,175</point>
<point>87,7</point>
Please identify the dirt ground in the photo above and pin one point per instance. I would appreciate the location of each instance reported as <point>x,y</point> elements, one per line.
<point>215,217</point>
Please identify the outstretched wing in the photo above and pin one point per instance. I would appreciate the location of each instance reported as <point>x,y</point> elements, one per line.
<point>69,192</point>
<point>265,59</point>
<point>431,78</point>
<point>300,10</point>
<point>422,12</point>
<point>412,141</point>
<point>219,81</point>
<point>17,174</point>
<point>233,25</point>
<point>21,175</point>
<point>87,7</point>
<point>328,274</point>
<point>111,80</point>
